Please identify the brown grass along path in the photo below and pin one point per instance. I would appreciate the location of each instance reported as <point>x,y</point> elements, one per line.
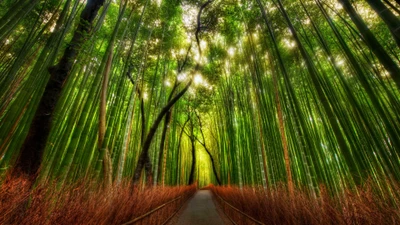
<point>84,203</point>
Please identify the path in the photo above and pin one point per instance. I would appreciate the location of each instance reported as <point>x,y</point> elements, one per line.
<point>200,211</point>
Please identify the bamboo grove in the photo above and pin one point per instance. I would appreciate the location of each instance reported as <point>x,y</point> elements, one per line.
<point>230,92</point>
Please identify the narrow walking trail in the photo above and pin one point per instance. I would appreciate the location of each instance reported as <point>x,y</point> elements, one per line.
<point>201,211</point>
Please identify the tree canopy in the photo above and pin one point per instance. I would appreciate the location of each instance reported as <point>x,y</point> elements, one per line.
<point>259,92</point>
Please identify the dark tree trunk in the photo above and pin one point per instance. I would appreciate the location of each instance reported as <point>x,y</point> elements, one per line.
<point>192,140</point>
<point>393,7</point>
<point>143,117</point>
<point>199,27</point>
<point>213,165</point>
<point>179,149</point>
<point>32,150</point>
<point>388,17</point>
<point>167,120</point>
<point>208,152</point>
<point>144,159</point>
<point>373,43</point>
<point>191,176</point>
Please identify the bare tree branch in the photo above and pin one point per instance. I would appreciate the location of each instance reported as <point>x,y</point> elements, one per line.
<point>199,26</point>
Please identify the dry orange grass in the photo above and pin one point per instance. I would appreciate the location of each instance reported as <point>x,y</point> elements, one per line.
<point>278,208</point>
<point>83,203</point>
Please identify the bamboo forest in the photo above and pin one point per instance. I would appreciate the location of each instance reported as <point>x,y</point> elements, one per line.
<point>133,111</point>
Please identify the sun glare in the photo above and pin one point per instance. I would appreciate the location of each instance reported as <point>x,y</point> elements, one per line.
<point>289,44</point>
<point>198,79</point>
<point>203,44</point>
<point>158,2</point>
<point>182,76</point>
<point>231,51</point>
<point>189,16</point>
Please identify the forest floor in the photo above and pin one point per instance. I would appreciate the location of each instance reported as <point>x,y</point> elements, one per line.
<point>201,210</point>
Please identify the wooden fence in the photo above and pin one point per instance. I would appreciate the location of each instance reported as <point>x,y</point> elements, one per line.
<point>235,215</point>
<point>162,214</point>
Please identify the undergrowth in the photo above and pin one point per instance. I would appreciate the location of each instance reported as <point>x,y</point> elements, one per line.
<point>86,203</point>
<point>277,207</point>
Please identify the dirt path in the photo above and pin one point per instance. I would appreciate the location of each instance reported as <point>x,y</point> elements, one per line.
<point>201,210</point>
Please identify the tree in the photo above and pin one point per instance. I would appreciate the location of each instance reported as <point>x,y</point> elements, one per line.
<point>373,43</point>
<point>390,19</point>
<point>144,159</point>
<point>32,150</point>
<point>203,143</point>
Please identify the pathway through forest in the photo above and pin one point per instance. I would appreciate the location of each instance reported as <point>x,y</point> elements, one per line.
<point>201,210</point>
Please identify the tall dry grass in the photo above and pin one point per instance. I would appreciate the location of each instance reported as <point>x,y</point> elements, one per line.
<point>84,203</point>
<point>277,207</point>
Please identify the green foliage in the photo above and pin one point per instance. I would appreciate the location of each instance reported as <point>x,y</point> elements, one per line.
<point>322,93</point>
